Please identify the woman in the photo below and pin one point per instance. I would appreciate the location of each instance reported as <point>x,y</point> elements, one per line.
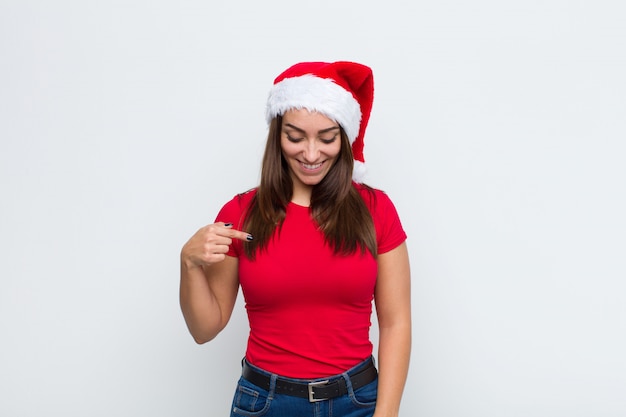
<point>311,248</point>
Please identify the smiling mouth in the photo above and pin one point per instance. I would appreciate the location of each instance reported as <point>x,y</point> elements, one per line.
<point>311,167</point>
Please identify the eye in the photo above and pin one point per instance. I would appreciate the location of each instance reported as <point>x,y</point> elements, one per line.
<point>292,139</point>
<point>329,140</point>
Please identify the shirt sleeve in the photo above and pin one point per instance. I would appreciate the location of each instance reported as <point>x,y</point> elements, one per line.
<point>389,231</point>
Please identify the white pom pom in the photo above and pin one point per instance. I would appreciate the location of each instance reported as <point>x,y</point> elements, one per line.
<point>359,172</point>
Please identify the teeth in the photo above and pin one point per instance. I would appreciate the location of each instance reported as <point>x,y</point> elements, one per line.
<point>307,166</point>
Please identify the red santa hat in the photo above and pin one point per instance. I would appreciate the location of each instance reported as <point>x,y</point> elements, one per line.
<point>342,91</point>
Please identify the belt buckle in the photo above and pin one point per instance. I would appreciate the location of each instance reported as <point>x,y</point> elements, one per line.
<point>312,394</point>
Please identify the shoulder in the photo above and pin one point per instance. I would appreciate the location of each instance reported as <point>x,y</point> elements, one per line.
<point>374,198</point>
<point>242,200</point>
<point>235,209</point>
<point>246,197</point>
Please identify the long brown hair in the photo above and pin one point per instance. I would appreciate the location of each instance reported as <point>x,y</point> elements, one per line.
<point>336,205</point>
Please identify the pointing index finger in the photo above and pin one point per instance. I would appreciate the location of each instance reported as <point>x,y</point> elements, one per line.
<point>238,234</point>
<point>243,236</point>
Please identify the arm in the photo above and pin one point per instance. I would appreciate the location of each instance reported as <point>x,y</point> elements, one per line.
<point>209,280</point>
<point>393,308</point>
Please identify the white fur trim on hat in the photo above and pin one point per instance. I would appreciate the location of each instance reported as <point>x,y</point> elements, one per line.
<point>317,94</point>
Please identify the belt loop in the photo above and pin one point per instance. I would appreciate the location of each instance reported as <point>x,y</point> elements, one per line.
<point>348,382</point>
<point>272,390</point>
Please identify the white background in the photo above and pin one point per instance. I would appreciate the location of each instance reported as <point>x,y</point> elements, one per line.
<point>498,130</point>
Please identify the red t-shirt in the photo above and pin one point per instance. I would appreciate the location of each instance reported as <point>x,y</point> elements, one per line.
<point>309,310</point>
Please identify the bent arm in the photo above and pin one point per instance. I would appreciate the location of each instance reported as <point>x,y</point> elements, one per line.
<point>393,308</point>
<point>207,296</point>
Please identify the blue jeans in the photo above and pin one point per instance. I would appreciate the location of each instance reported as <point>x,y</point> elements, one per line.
<point>253,401</point>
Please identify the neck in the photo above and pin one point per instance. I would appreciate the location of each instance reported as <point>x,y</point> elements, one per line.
<point>302,195</point>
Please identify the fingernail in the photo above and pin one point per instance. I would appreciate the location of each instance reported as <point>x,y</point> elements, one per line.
<point>228,224</point>
<point>249,237</point>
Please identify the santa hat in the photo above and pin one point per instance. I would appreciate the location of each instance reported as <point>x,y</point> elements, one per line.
<point>342,91</point>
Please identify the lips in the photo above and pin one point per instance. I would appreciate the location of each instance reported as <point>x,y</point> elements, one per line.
<point>312,167</point>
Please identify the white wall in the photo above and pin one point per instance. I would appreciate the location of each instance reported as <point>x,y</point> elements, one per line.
<point>498,130</point>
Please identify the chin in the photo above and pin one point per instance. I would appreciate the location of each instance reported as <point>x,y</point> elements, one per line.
<point>310,181</point>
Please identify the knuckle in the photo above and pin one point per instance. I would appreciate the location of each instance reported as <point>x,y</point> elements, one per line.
<point>211,227</point>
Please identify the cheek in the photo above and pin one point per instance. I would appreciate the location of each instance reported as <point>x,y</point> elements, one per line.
<point>288,148</point>
<point>335,150</point>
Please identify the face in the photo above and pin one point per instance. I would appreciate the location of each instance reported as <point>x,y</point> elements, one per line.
<point>310,143</point>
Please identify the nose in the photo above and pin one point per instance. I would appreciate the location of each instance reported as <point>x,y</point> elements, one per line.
<point>311,151</point>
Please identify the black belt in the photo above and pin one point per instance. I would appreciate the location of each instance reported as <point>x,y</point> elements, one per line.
<point>316,390</point>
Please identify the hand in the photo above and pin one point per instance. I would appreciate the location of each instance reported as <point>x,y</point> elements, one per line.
<point>210,244</point>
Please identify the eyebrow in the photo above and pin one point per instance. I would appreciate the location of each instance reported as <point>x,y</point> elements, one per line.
<point>319,132</point>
